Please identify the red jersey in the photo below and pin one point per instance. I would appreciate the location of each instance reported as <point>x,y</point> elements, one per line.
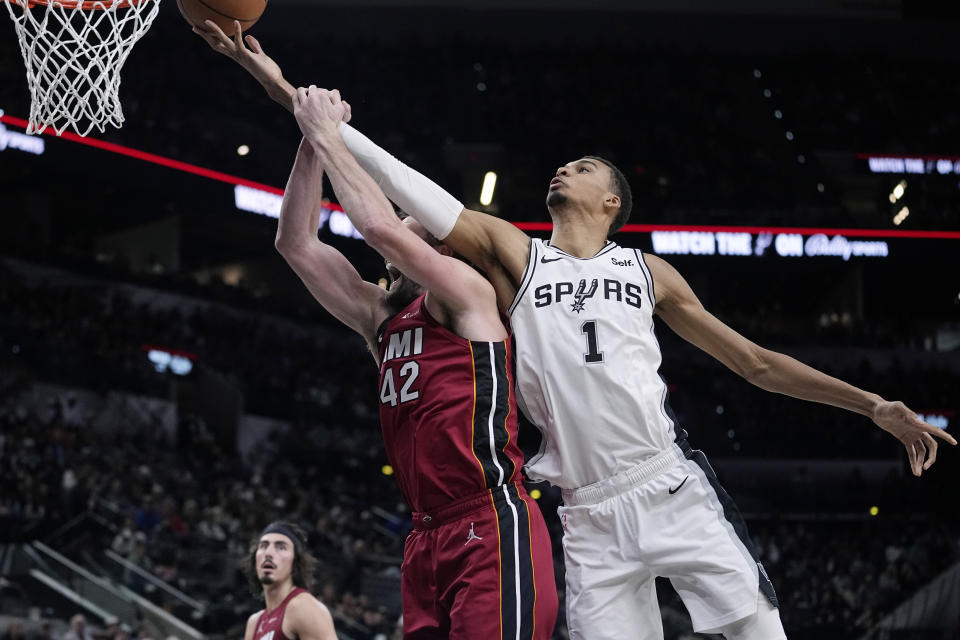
<point>447,410</point>
<point>270,624</point>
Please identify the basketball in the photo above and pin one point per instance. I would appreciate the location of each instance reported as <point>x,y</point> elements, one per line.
<point>223,12</point>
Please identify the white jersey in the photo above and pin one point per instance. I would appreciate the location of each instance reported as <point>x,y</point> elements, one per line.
<point>587,364</point>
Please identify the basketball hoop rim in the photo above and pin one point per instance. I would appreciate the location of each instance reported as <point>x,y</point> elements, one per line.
<point>83,5</point>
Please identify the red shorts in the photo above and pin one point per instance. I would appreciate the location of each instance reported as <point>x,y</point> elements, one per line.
<point>480,569</point>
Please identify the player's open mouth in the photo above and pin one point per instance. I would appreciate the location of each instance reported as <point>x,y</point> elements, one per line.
<point>265,566</point>
<point>556,182</point>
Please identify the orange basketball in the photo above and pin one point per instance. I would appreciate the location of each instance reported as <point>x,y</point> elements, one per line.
<point>223,12</point>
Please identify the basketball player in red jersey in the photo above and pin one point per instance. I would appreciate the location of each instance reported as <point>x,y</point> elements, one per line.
<point>478,564</point>
<point>280,566</point>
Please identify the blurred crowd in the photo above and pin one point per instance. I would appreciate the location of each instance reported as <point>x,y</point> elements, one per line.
<point>187,514</point>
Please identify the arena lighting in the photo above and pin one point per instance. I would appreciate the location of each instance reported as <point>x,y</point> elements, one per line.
<point>20,141</point>
<point>874,511</point>
<point>897,192</point>
<point>912,164</point>
<point>147,157</point>
<point>243,150</point>
<point>901,216</point>
<point>268,204</point>
<point>177,362</point>
<point>258,187</point>
<point>535,494</point>
<point>785,245</point>
<point>386,470</point>
<point>936,418</point>
<point>486,191</point>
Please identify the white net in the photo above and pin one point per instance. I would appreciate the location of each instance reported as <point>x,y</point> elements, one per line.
<point>73,53</point>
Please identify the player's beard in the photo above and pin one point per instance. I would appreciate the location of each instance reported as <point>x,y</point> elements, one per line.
<point>403,293</point>
<point>267,580</point>
<point>556,200</point>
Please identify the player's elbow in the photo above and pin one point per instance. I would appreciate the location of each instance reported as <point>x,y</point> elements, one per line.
<point>284,244</point>
<point>756,367</point>
<point>291,248</point>
<point>379,231</point>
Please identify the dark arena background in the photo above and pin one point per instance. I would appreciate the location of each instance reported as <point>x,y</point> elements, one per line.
<point>167,385</point>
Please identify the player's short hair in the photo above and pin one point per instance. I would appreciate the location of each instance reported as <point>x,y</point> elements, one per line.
<point>620,186</point>
<point>304,564</point>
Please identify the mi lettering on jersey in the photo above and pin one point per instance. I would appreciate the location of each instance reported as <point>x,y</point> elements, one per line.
<point>401,344</point>
<point>587,363</point>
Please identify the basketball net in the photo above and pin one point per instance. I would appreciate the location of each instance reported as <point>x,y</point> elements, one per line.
<point>73,52</point>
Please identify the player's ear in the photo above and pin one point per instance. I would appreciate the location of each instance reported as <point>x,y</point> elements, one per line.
<point>611,201</point>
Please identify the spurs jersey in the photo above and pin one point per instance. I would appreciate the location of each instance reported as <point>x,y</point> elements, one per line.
<point>587,364</point>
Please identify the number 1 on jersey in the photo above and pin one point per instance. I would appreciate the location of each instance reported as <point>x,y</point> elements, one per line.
<point>593,354</point>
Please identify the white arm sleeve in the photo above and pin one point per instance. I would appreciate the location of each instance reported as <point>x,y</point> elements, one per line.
<point>413,192</point>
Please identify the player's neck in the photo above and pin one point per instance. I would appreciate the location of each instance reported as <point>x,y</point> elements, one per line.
<point>582,238</point>
<point>274,594</point>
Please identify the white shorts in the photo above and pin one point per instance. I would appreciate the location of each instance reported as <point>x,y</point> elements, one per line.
<point>666,517</point>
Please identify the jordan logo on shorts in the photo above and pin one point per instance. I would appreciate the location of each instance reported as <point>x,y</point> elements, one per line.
<point>471,536</point>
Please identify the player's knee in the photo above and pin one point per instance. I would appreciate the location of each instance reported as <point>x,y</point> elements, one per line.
<point>764,624</point>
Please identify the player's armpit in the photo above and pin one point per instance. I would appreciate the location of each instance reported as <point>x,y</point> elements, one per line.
<point>490,243</point>
<point>306,618</point>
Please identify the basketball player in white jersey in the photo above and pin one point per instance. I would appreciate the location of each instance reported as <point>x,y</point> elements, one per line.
<point>639,502</point>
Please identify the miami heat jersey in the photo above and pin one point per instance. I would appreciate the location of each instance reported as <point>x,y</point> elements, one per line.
<point>270,624</point>
<point>447,410</point>
<point>587,363</point>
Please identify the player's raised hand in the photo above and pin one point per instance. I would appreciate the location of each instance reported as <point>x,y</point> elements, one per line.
<point>319,113</point>
<point>252,57</point>
<point>918,437</point>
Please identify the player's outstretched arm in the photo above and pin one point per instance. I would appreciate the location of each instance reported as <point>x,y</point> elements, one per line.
<point>496,246</point>
<point>252,58</point>
<point>683,312</point>
<point>308,619</point>
<point>456,284</point>
<point>493,244</point>
<point>329,276</point>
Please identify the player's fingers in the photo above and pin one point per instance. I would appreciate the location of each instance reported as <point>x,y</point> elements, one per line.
<point>931,450</point>
<point>214,29</point>
<point>943,435</point>
<point>238,35</point>
<point>254,44</point>
<point>335,96</point>
<point>301,95</point>
<point>919,452</point>
<point>912,458</point>
<point>347,111</point>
